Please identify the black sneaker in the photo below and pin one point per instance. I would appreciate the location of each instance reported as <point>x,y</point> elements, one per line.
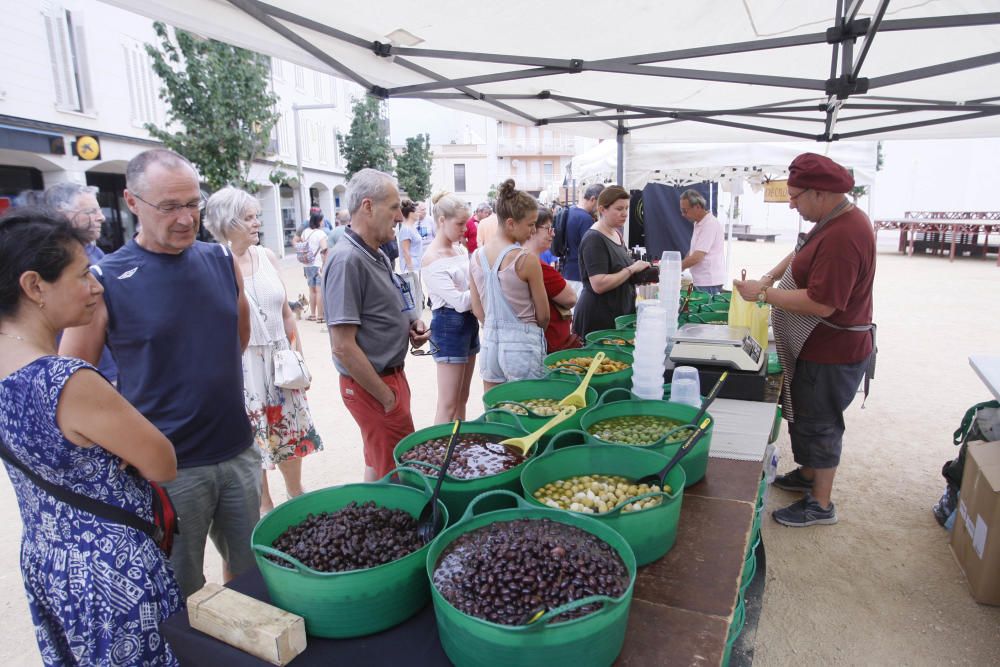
<point>805,512</point>
<point>793,481</point>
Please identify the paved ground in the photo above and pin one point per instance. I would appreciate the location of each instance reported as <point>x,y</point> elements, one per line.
<point>881,587</point>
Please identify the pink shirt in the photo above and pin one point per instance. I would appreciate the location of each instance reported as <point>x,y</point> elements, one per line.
<point>708,238</point>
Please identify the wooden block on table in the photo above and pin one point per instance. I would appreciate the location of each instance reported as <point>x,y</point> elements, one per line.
<point>250,625</point>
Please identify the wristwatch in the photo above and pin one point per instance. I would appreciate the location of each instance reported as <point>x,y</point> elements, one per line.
<point>762,295</point>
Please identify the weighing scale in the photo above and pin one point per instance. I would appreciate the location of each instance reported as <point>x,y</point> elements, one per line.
<point>718,345</point>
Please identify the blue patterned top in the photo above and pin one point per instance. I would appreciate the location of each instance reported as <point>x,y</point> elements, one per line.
<point>97,590</point>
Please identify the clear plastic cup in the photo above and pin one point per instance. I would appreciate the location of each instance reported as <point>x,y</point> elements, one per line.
<point>685,386</point>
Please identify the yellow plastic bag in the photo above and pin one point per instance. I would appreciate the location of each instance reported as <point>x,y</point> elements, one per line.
<point>750,314</point>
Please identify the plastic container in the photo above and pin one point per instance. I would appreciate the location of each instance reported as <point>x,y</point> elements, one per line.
<point>735,629</point>
<point>651,532</point>
<point>354,603</point>
<point>625,321</point>
<point>714,307</point>
<point>709,318</point>
<point>520,390</point>
<point>686,386</point>
<point>458,493</point>
<point>621,403</point>
<point>599,382</point>
<point>594,640</point>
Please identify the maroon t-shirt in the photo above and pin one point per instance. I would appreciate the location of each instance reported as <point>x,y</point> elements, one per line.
<point>557,334</point>
<point>471,230</point>
<point>837,268</point>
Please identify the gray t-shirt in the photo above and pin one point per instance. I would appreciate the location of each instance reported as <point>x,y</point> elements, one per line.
<point>359,288</point>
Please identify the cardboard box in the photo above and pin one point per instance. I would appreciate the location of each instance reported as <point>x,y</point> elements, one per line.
<point>975,540</point>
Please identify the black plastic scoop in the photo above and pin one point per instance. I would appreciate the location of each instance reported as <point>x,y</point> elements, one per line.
<point>659,477</point>
<point>430,516</point>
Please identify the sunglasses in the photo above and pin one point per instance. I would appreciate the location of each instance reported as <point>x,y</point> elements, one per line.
<point>416,352</point>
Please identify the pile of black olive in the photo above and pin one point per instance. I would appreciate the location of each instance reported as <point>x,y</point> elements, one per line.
<point>508,572</point>
<point>355,537</point>
<point>475,456</point>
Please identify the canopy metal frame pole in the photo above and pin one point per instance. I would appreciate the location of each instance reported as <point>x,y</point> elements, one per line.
<point>843,83</point>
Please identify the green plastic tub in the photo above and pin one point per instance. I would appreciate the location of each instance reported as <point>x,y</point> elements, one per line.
<point>652,532</point>
<point>458,493</point>
<point>594,640</point>
<point>695,299</point>
<point>625,321</point>
<point>600,383</point>
<point>775,427</point>
<point>735,629</point>
<point>346,604</point>
<point>605,339</point>
<point>709,317</point>
<point>520,390</point>
<point>621,403</point>
<point>715,307</point>
<point>722,296</point>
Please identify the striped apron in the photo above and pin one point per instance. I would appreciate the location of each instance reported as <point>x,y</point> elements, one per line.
<point>792,330</point>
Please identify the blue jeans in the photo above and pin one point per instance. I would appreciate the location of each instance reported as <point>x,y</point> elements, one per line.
<point>221,500</point>
<point>713,289</point>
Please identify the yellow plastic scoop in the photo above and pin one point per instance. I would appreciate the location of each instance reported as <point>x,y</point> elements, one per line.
<point>525,443</point>
<point>578,397</point>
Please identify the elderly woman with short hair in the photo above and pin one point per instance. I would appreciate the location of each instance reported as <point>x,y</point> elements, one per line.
<point>282,425</point>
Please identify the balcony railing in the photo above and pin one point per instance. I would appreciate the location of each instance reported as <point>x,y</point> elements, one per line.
<point>527,147</point>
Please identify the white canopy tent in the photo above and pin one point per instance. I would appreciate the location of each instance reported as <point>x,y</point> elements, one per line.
<point>709,71</point>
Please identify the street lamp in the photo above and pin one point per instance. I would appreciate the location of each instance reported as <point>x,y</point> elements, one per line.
<point>296,108</point>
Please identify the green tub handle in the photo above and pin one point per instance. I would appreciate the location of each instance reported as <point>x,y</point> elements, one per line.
<point>612,341</point>
<point>613,393</point>
<point>435,469</point>
<point>542,621</point>
<point>531,413</point>
<point>556,442</point>
<point>565,370</point>
<point>697,319</point>
<point>481,419</point>
<point>470,511</point>
<point>394,476</point>
<point>299,566</point>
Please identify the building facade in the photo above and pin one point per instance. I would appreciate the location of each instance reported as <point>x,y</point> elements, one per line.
<point>78,88</point>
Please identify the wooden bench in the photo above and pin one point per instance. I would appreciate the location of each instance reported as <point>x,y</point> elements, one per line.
<point>766,238</point>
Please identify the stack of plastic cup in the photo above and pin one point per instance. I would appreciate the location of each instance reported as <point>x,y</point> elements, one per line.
<point>649,355</point>
<point>685,386</point>
<point>670,280</point>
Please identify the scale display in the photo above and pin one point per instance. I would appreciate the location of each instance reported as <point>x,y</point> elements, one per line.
<point>717,345</point>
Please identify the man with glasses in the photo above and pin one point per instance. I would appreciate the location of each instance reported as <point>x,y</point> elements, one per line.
<point>483,211</point>
<point>78,203</point>
<point>371,316</point>
<point>175,317</point>
<point>823,329</point>
<point>705,256</point>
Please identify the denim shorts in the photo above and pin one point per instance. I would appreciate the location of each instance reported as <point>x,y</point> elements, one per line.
<point>312,276</point>
<point>454,334</point>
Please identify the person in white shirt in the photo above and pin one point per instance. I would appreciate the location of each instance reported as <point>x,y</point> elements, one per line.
<point>706,257</point>
<point>454,328</point>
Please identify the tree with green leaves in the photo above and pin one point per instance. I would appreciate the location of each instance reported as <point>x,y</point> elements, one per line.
<point>413,167</point>
<point>367,143</point>
<point>219,100</point>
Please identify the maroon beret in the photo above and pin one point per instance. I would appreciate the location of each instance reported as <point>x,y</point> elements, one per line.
<point>817,172</point>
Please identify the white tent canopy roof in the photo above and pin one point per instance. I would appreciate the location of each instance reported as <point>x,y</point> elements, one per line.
<point>753,163</point>
<point>708,71</point>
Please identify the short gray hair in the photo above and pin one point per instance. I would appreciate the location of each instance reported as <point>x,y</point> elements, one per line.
<point>61,196</point>
<point>368,184</point>
<point>593,191</point>
<point>135,172</point>
<point>695,198</point>
<point>225,210</point>
<point>485,206</point>
<point>343,217</point>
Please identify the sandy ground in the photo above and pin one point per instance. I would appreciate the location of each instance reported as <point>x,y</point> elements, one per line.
<point>881,587</point>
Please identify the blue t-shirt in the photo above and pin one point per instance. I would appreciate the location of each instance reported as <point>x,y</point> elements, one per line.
<point>578,221</point>
<point>173,328</point>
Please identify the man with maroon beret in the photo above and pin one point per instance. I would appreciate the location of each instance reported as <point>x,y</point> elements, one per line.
<point>822,328</point>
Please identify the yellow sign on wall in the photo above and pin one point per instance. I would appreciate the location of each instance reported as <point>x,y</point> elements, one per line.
<point>776,191</point>
<point>87,148</point>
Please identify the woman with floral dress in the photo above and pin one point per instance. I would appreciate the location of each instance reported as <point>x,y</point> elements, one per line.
<point>97,590</point>
<point>282,425</point>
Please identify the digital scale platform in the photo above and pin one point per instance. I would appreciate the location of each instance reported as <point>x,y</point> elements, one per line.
<point>718,345</point>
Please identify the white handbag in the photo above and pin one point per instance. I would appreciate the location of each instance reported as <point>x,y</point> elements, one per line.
<point>290,370</point>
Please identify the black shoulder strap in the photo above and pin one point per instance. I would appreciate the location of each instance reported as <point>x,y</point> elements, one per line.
<point>95,507</point>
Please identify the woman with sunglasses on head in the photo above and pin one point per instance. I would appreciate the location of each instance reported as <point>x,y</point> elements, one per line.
<point>97,588</point>
<point>454,329</point>
<point>508,294</point>
<point>562,297</point>
<point>282,425</point>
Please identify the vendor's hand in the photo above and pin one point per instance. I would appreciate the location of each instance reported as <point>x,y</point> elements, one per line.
<point>419,333</point>
<point>638,266</point>
<point>748,289</point>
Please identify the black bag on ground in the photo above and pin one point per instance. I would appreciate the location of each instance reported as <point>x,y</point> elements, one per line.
<point>981,422</point>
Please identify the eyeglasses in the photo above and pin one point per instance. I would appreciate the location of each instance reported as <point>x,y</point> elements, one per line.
<point>173,208</point>
<point>425,353</point>
<point>792,197</point>
<point>544,228</point>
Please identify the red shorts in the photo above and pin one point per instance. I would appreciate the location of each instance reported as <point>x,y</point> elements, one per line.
<point>380,431</point>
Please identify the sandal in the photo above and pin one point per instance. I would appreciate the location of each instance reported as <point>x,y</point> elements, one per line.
<point>311,318</point>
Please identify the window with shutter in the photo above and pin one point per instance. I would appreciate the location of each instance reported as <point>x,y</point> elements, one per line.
<point>68,58</point>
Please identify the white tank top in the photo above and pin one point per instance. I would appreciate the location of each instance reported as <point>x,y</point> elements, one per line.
<point>266,295</point>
